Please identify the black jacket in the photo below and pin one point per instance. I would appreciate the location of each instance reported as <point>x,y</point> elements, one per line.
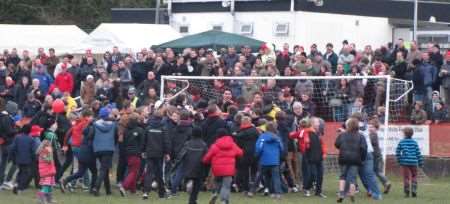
<point>246,139</point>
<point>7,130</point>
<point>182,133</point>
<point>134,134</point>
<point>210,127</point>
<point>139,71</point>
<point>191,156</point>
<point>352,148</point>
<point>314,153</point>
<point>86,154</point>
<point>155,143</point>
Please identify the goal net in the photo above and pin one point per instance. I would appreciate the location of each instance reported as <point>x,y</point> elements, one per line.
<point>332,98</point>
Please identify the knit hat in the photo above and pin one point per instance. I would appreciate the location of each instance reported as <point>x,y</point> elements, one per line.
<point>36,131</point>
<point>104,113</point>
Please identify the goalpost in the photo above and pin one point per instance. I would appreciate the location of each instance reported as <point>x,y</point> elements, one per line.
<point>333,96</point>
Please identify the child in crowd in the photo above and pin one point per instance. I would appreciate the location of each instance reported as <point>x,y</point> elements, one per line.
<point>409,157</point>
<point>222,157</point>
<point>21,150</point>
<point>377,156</point>
<point>47,169</point>
<point>269,149</point>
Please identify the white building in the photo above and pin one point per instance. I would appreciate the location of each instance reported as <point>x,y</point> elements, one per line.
<point>297,22</point>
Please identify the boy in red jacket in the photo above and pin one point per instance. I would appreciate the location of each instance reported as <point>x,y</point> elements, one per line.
<point>313,150</point>
<point>222,157</point>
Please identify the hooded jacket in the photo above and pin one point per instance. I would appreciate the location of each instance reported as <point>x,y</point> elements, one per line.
<point>352,148</point>
<point>269,149</point>
<point>191,156</point>
<point>76,132</point>
<point>222,157</point>
<point>210,126</point>
<point>104,136</point>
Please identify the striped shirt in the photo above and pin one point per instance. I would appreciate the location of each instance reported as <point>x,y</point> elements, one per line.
<point>408,153</point>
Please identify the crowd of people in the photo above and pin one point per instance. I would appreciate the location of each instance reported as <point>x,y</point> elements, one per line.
<point>63,120</point>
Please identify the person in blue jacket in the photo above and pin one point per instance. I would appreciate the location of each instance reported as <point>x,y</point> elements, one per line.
<point>269,149</point>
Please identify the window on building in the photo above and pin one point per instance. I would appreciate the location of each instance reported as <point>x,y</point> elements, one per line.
<point>217,27</point>
<point>246,29</point>
<point>184,29</point>
<point>281,29</point>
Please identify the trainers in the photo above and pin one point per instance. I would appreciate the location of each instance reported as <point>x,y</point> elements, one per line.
<point>8,185</point>
<point>15,191</point>
<point>388,188</point>
<point>307,193</point>
<point>213,199</point>
<point>189,186</point>
<point>414,195</point>
<point>321,195</point>
<point>122,191</point>
<point>145,196</point>
<point>266,192</point>
<point>340,199</point>
<point>249,194</point>
<point>295,189</point>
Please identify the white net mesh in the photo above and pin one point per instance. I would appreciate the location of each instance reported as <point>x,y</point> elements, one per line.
<point>333,99</point>
<point>330,99</point>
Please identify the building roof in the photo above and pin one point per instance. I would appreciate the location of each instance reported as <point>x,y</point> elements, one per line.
<point>402,9</point>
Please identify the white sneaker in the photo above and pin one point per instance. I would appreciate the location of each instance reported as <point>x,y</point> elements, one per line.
<point>307,193</point>
<point>8,185</point>
<point>295,189</point>
<point>266,192</point>
<point>189,186</point>
<point>145,196</point>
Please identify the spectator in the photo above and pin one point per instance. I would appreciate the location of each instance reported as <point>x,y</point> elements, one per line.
<point>51,61</point>
<point>440,114</point>
<point>346,58</point>
<point>444,74</point>
<point>331,57</point>
<point>283,58</point>
<point>418,115</point>
<point>400,67</point>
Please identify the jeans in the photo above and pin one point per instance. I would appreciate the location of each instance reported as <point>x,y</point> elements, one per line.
<point>348,173</point>
<point>105,160</point>
<point>134,164</point>
<point>154,172</point>
<point>378,168</point>
<point>315,171</point>
<point>177,178</point>
<point>223,188</point>
<point>23,176</point>
<point>196,185</point>
<point>368,177</point>
<point>82,169</point>
<point>273,178</point>
<point>409,179</point>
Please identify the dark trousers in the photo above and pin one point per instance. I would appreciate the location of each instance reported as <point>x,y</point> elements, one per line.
<point>34,174</point>
<point>154,172</point>
<point>122,164</point>
<point>82,169</point>
<point>4,159</point>
<point>315,171</point>
<point>409,179</point>
<point>105,159</point>
<point>197,184</point>
<point>23,176</point>
<point>246,174</point>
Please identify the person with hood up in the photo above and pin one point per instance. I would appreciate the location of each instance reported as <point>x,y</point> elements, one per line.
<point>269,149</point>
<point>246,138</point>
<point>222,156</point>
<point>104,144</point>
